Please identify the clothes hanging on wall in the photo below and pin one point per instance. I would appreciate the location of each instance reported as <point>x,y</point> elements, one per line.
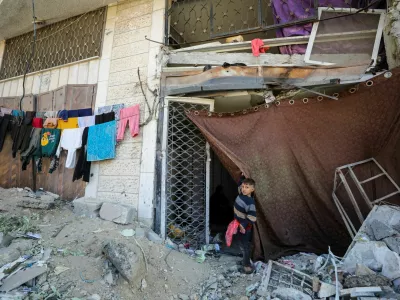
<point>86,121</point>
<point>83,112</point>
<point>50,114</point>
<point>129,115</point>
<point>37,122</point>
<point>21,138</point>
<point>6,111</point>
<point>71,140</point>
<point>28,117</point>
<point>50,123</point>
<point>4,127</point>
<point>104,118</point>
<point>71,123</point>
<point>116,108</point>
<point>101,141</point>
<point>49,141</point>
<point>34,144</point>
<point>82,168</point>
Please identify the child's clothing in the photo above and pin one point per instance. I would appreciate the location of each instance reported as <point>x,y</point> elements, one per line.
<point>131,115</point>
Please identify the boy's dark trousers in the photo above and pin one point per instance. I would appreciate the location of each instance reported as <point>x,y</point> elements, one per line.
<point>245,245</point>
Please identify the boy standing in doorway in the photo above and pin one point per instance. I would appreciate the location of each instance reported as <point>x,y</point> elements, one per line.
<point>245,213</point>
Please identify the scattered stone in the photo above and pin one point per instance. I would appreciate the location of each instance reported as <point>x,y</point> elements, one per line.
<point>221,277</point>
<point>226,284</point>
<point>94,297</point>
<point>47,198</point>
<point>5,240</point>
<point>289,294</point>
<point>60,269</point>
<point>127,261</point>
<point>393,243</point>
<point>117,213</point>
<point>17,248</point>
<point>88,207</point>
<point>363,270</point>
<point>381,230</point>
<point>183,297</point>
<point>154,237</point>
<point>143,285</point>
<point>243,298</point>
<point>109,278</point>
<point>326,290</point>
<point>36,204</point>
<point>140,232</point>
<point>214,286</point>
<point>233,269</point>
<point>128,232</point>
<point>366,281</point>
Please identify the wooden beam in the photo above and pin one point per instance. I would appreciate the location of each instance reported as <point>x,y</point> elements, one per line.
<point>286,41</point>
<point>247,78</point>
<point>267,59</point>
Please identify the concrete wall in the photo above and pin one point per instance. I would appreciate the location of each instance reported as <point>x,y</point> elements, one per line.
<point>392,34</point>
<point>128,179</point>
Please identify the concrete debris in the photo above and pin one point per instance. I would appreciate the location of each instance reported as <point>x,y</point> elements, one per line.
<point>88,207</point>
<point>94,297</point>
<point>117,213</point>
<point>60,269</point>
<point>154,237</point>
<point>381,230</point>
<point>289,294</point>
<point>363,270</point>
<point>17,248</point>
<point>366,281</point>
<point>128,232</point>
<point>128,262</point>
<point>143,285</point>
<point>183,297</point>
<point>5,239</point>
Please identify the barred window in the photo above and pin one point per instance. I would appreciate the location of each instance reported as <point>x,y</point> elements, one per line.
<point>64,42</point>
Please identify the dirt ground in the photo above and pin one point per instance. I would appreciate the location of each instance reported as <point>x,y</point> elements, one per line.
<point>78,247</point>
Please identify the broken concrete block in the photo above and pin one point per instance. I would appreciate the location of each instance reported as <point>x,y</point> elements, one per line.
<point>127,261</point>
<point>376,256</point>
<point>154,237</point>
<point>117,213</point>
<point>289,294</point>
<point>381,230</point>
<point>393,243</point>
<point>16,249</point>
<point>363,270</point>
<point>366,281</point>
<point>5,240</point>
<point>88,207</point>
<point>47,198</point>
<point>36,204</point>
<point>326,290</point>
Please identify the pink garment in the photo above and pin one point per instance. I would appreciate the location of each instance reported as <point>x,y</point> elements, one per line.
<point>131,115</point>
<point>257,47</point>
<point>231,231</point>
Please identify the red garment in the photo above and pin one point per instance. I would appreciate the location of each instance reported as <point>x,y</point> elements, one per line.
<point>257,47</point>
<point>232,229</point>
<point>37,123</point>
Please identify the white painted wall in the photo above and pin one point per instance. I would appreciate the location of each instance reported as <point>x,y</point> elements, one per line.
<point>130,177</point>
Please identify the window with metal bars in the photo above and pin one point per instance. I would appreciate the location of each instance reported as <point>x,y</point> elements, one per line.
<point>64,42</point>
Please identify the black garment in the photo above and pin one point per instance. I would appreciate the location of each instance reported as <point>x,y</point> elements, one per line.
<point>245,246</point>
<point>34,143</point>
<point>4,127</point>
<point>83,112</point>
<point>29,115</point>
<point>21,138</point>
<point>104,118</point>
<point>82,168</point>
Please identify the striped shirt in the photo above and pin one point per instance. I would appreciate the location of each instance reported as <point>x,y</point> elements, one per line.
<point>245,210</point>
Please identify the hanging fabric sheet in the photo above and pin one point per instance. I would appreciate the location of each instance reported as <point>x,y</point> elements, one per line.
<point>101,141</point>
<point>292,151</point>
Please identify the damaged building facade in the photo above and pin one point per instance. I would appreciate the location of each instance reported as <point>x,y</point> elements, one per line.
<point>177,59</point>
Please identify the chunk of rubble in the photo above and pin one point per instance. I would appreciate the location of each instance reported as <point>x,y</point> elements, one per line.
<point>366,281</point>
<point>289,294</point>
<point>88,207</point>
<point>127,261</point>
<point>117,213</point>
<point>22,277</point>
<point>17,248</point>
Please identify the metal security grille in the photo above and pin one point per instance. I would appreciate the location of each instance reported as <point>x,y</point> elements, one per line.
<point>186,219</point>
<point>60,43</point>
<point>192,21</point>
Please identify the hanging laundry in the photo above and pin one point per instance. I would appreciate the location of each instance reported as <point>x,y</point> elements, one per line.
<point>63,114</point>
<point>104,118</point>
<point>257,47</point>
<point>49,141</point>
<point>86,121</point>
<point>6,111</point>
<point>21,137</point>
<point>116,108</point>
<point>82,168</point>
<point>71,140</point>
<point>83,112</point>
<point>50,123</point>
<point>101,141</point>
<point>17,113</point>
<point>34,144</point>
<point>71,123</point>
<point>131,115</point>
<point>37,122</point>
<point>4,126</point>
<point>54,163</point>
<point>28,118</point>
<point>50,114</point>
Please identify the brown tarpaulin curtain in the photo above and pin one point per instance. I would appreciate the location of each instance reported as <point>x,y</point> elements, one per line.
<point>292,151</point>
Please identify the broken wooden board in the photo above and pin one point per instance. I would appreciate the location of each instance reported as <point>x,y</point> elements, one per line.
<point>245,78</point>
<point>22,277</point>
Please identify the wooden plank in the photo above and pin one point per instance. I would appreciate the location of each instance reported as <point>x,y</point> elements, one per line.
<point>277,42</point>
<point>267,59</point>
